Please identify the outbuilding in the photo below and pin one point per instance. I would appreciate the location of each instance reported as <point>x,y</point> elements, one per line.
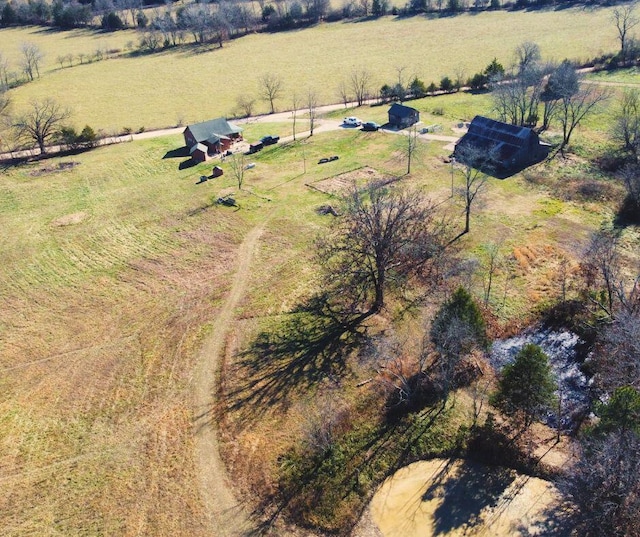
<point>401,116</point>
<point>217,135</point>
<point>504,147</point>
<point>198,152</point>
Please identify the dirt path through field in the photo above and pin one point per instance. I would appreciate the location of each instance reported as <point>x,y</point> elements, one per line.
<point>226,516</point>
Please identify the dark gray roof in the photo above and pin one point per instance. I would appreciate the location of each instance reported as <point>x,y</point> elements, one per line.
<point>401,110</point>
<point>213,130</point>
<point>499,131</point>
<point>501,139</point>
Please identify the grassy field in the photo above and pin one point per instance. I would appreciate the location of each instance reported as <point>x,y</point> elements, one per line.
<point>189,84</point>
<point>114,262</point>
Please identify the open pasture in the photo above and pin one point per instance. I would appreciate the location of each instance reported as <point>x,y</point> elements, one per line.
<point>189,84</point>
<point>115,264</point>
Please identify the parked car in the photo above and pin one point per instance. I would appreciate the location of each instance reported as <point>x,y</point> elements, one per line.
<point>351,122</point>
<point>254,148</point>
<point>269,140</point>
<point>370,126</point>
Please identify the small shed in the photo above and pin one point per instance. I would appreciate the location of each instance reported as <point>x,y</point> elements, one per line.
<point>509,147</point>
<point>401,116</point>
<point>198,152</point>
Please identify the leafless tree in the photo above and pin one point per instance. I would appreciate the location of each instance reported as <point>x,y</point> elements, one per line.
<point>4,72</point>
<point>343,93</point>
<point>360,85</point>
<point>626,129</point>
<point>601,269</point>
<point>270,88</point>
<point>617,354</point>
<point>245,104</point>
<point>384,237</point>
<point>31,60</point>
<point>365,5</point>
<point>295,106</point>
<point>312,105</point>
<point>527,54</point>
<point>573,100</point>
<point>410,147</point>
<point>473,164</point>
<point>631,178</point>
<point>491,266</point>
<point>625,19</point>
<point>603,486</point>
<point>41,122</point>
<point>237,163</point>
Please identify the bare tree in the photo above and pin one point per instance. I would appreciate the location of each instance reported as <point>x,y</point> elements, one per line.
<point>631,178</point>
<point>295,105</point>
<point>410,147</point>
<point>625,19</point>
<point>473,163</point>
<point>527,54</point>
<point>41,122</point>
<point>383,238</point>
<point>246,105</point>
<point>312,105</point>
<point>343,93</point>
<point>626,129</point>
<point>491,266</point>
<point>4,72</point>
<point>237,163</point>
<point>601,269</point>
<point>31,60</point>
<point>617,353</point>
<point>603,486</point>
<point>270,88</point>
<point>574,101</point>
<point>360,85</point>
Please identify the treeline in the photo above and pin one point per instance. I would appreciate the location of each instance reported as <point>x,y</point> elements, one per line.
<point>226,18</point>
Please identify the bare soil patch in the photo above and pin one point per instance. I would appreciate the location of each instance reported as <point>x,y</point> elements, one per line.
<point>60,167</point>
<point>457,497</point>
<point>70,219</point>
<point>339,184</point>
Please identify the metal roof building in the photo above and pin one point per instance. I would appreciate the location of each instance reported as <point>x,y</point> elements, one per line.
<point>508,147</point>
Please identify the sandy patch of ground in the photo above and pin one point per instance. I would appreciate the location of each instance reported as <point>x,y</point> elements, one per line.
<point>69,219</point>
<point>456,497</point>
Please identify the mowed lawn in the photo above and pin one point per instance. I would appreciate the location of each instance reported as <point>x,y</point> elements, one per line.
<point>188,84</point>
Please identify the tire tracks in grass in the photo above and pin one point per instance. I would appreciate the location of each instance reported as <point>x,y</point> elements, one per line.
<point>225,515</point>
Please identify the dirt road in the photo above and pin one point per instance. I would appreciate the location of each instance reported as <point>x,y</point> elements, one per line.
<point>226,517</point>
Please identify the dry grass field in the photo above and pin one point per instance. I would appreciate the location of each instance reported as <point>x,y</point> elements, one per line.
<point>115,264</point>
<point>189,84</point>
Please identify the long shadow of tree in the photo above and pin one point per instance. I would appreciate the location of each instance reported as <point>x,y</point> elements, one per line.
<point>466,495</point>
<point>308,346</point>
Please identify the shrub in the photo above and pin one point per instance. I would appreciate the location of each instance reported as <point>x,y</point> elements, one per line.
<point>111,21</point>
<point>446,84</point>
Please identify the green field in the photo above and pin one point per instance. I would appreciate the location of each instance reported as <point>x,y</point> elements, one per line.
<point>188,84</point>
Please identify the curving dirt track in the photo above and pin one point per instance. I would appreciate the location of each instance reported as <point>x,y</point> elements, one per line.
<point>226,517</point>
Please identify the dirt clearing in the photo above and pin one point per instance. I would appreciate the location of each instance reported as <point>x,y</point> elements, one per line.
<point>457,497</point>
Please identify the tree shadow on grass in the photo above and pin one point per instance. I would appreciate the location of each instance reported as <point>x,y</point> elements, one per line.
<point>466,495</point>
<point>307,347</point>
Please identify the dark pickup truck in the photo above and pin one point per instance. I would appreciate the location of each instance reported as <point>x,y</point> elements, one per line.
<point>270,140</point>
